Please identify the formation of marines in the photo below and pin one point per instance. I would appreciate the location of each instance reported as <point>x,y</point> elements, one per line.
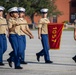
<point>16,27</point>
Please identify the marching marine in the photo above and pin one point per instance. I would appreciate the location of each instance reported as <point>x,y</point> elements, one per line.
<point>14,37</point>
<point>43,36</point>
<point>24,30</point>
<point>74,58</point>
<point>3,40</point>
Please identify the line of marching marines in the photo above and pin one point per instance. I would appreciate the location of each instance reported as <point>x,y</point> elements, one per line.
<point>17,27</point>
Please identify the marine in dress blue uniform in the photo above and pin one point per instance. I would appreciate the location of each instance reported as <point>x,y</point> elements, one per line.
<point>22,11</point>
<point>43,35</point>
<point>24,30</point>
<point>3,40</point>
<point>14,38</point>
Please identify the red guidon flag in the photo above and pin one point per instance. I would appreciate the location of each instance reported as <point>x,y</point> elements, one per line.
<point>54,35</point>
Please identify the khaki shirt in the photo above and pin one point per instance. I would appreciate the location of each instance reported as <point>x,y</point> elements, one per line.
<point>43,26</point>
<point>3,26</point>
<point>24,26</point>
<point>11,22</point>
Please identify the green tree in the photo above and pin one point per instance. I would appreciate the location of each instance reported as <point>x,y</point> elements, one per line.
<point>32,6</point>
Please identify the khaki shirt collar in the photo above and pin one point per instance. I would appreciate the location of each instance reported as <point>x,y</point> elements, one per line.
<point>21,18</point>
<point>13,18</point>
<point>1,17</point>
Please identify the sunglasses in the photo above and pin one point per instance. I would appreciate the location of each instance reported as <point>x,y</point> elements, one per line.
<point>15,12</point>
<point>1,10</point>
<point>21,12</point>
<point>44,12</point>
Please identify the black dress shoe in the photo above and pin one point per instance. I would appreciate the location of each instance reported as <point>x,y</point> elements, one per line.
<point>1,64</point>
<point>23,62</point>
<point>74,58</point>
<point>18,67</point>
<point>9,62</point>
<point>38,57</point>
<point>11,53</point>
<point>48,61</point>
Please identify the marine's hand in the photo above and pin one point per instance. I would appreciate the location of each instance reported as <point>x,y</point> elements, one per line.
<point>39,37</point>
<point>32,37</point>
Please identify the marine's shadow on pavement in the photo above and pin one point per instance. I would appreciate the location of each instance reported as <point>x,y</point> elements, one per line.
<point>31,62</point>
<point>65,64</point>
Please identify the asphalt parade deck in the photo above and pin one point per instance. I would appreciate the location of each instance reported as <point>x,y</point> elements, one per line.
<point>63,63</point>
